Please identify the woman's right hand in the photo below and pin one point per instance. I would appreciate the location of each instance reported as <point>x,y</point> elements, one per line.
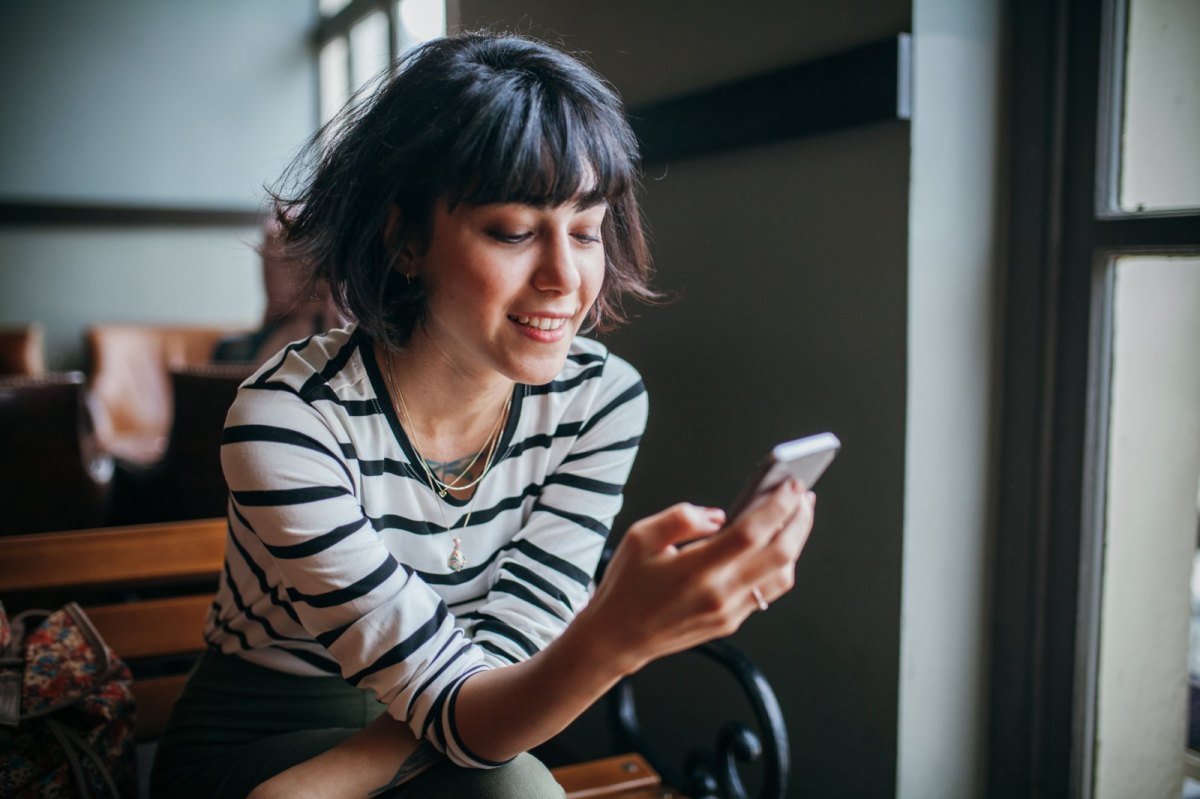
<point>660,597</point>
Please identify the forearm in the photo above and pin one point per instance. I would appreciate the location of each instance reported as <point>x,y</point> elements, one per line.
<point>362,763</point>
<point>505,711</point>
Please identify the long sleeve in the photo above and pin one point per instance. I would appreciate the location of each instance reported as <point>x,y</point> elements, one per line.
<point>544,577</point>
<point>337,554</point>
<point>296,515</point>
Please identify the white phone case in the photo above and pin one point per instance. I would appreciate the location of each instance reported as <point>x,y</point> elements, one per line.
<point>803,458</point>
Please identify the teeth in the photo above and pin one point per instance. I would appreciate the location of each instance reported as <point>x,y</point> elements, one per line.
<point>540,322</point>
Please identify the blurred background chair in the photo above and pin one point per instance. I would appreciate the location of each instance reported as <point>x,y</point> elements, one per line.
<point>22,350</point>
<point>296,307</point>
<point>53,475</point>
<point>187,482</point>
<point>129,377</point>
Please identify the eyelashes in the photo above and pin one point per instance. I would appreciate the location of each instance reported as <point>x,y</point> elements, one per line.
<point>519,238</point>
<point>509,238</point>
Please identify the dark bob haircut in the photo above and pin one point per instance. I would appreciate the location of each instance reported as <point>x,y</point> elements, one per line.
<point>476,118</point>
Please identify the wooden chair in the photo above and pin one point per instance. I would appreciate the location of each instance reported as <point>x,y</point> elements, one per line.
<point>148,588</point>
<point>187,482</point>
<point>129,377</point>
<point>22,350</point>
<point>52,474</point>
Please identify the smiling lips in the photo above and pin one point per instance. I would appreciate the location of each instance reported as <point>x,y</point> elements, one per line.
<point>545,329</point>
<point>540,322</point>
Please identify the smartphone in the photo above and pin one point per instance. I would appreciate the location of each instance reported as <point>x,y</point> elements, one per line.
<point>804,459</point>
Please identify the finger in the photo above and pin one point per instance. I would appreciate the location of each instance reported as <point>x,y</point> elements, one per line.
<point>757,526</point>
<point>677,524</point>
<point>773,568</point>
<point>795,532</point>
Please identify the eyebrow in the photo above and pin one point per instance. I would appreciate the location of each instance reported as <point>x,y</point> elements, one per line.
<point>581,205</point>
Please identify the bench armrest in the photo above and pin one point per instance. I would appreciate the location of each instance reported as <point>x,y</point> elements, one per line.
<point>715,773</point>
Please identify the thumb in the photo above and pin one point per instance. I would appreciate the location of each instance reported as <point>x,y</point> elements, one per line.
<point>677,525</point>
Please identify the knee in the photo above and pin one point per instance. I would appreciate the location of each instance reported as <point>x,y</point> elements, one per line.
<point>524,777</point>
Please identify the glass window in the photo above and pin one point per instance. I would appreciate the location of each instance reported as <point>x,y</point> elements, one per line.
<point>368,49</point>
<point>330,7</point>
<point>420,21</point>
<point>334,70</point>
<point>356,48</point>
<point>1150,528</point>
<point>1160,149</point>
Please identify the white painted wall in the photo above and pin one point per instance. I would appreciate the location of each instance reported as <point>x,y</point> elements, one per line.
<point>951,318</point>
<point>1150,537</point>
<point>143,102</point>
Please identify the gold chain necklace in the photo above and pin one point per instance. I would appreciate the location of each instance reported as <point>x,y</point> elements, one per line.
<point>444,487</point>
<point>456,560</point>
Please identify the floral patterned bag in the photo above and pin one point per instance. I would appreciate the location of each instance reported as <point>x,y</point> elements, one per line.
<point>66,709</point>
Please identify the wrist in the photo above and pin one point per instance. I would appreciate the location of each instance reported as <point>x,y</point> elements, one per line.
<point>608,644</point>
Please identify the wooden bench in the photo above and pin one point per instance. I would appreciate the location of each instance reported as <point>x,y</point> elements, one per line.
<point>148,588</point>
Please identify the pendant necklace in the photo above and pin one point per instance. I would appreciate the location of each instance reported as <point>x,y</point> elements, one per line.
<point>457,560</point>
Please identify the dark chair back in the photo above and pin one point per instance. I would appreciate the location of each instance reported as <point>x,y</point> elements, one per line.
<point>22,350</point>
<point>53,476</point>
<point>191,467</point>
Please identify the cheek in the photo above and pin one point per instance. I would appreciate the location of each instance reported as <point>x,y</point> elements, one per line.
<point>594,280</point>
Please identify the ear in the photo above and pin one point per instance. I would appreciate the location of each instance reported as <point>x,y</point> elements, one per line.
<point>402,258</point>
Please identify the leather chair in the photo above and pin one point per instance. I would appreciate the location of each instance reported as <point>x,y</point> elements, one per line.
<point>129,378</point>
<point>187,483</point>
<point>53,476</point>
<point>22,350</point>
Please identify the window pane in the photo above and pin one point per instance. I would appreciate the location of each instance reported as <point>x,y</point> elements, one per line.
<point>1150,528</point>
<point>1160,160</point>
<point>420,21</point>
<point>335,78</point>
<point>368,48</point>
<point>330,7</point>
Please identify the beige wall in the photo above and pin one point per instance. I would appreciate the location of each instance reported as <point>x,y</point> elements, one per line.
<point>790,263</point>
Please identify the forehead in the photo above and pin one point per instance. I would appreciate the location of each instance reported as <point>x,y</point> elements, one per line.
<point>572,208</point>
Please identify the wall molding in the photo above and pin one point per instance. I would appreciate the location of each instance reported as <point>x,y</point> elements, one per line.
<point>868,84</point>
<point>865,85</point>
<point>32,213</point>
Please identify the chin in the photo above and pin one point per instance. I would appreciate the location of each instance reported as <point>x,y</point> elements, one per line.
<point>538,371</point>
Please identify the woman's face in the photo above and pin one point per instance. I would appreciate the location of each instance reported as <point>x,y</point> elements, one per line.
<point>509,285</point>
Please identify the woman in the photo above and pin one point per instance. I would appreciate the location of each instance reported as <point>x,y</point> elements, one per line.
<point>419,500</point>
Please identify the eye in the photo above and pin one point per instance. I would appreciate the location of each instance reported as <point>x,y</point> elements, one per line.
<point>587,237</point>
<point>509,238</point>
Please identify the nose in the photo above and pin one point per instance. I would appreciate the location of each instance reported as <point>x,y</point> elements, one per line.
<point>557,271</point>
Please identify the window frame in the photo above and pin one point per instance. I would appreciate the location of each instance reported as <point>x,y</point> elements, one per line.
<point>1065,62</point>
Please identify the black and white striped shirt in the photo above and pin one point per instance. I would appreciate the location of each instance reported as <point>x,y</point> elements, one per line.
<point>337,555</point>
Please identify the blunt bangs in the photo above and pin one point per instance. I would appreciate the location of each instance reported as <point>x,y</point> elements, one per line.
<point>527,141</point>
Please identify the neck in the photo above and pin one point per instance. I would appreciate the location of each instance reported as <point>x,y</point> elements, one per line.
<point>452,413</point>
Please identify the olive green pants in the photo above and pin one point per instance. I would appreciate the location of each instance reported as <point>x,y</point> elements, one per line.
<point>237,724</point>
